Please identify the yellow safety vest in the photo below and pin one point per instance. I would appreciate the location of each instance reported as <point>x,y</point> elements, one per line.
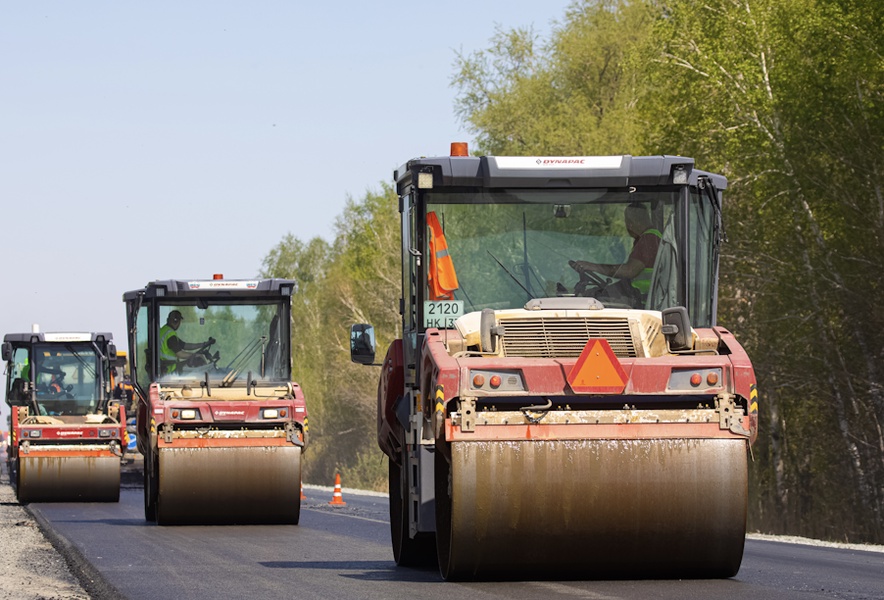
<point>166,353</point>
<point>642,281</point>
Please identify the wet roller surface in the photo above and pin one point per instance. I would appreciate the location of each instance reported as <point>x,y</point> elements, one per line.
<point>636,508</point>
<point>69,479</point>
<point>226,485</point>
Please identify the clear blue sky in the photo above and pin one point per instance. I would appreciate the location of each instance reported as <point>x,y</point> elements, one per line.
<point>170,139</point>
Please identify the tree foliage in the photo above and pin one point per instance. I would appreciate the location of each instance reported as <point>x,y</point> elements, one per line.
<point>571,96</point>
<point>355,280</point>
<point>784,97</point>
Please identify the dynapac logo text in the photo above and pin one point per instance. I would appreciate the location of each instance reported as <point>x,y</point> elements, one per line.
<point>561,161</point>
<point>230,413</point>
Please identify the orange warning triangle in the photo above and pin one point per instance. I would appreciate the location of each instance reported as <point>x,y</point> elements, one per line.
<point>597,370</point>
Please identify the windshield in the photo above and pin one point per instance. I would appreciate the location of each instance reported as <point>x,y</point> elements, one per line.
<point>498,249</point>
<point>67,378</point>
<point>229,341</point>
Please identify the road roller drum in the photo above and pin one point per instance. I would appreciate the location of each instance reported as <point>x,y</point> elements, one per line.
<point>68,478</point>
<point>673,507</point>
<point>229,485</point>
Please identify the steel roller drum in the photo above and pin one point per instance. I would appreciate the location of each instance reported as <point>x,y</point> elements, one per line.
<point>222,485</point>
<point>592,508</point>
<point>68,479</point>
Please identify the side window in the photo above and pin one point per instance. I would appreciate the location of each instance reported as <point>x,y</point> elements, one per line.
<point>664,282</point>
<point>17,377</point>
<point>21,364</point>
<point>700,274</point>
<point>411,260</point>
<point>409,265</point>
<point>142,358</point>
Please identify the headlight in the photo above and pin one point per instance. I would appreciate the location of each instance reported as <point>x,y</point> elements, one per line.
<point>185,414</point>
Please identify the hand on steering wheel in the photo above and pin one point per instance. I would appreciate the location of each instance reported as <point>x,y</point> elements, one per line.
<point>589,278</point>
<point>580,265</point>
<point>587,273</point>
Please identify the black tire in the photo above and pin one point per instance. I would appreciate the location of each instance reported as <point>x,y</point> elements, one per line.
<point>14,477</point>
<point>419,551</point>
<point>151,487</point>
<point>443,518</point>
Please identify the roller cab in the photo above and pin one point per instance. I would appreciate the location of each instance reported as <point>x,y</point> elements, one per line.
<point>220,422</point>
<point>67,433</point>
<point>562,402</point>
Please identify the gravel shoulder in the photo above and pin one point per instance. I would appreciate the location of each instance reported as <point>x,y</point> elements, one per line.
<point>32,568</point>
<point>36,563</point>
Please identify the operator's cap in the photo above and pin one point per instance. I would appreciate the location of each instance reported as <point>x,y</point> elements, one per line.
<point>175,314</point>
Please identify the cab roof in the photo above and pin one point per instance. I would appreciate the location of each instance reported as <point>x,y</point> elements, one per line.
<point>61,337</point>
<point>551,172</point>
<point>182,288</point>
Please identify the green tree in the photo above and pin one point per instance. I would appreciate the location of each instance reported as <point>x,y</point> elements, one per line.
<point>354,280</point>
<point>571,96</point>
<point>784,98</point>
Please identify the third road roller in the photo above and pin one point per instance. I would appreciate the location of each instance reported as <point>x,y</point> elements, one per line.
<point>67,432</point>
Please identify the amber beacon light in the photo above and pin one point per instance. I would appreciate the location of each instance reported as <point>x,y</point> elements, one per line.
<point>459,149</point>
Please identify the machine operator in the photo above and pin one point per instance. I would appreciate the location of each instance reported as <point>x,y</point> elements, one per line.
<point>639,266</point>
<point>175,352</point>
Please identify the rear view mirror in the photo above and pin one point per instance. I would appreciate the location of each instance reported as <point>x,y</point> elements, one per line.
<point>7,351</point>
<point>677,329</point>
<point>362,343</point>
<point>111,352</point>
<point>19,392</point>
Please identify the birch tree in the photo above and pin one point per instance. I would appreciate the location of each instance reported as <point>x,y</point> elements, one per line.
<point>784,98</point>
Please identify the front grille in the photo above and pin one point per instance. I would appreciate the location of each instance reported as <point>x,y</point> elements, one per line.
<point>564,338</point>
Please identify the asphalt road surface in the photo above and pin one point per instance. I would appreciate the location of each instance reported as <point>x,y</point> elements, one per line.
<point>345,553</point>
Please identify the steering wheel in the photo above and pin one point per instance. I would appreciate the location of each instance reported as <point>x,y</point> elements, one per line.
<point>588,278</point>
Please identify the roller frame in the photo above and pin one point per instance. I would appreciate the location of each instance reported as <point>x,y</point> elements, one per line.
<point>539,490</point>
<point>410,548</point>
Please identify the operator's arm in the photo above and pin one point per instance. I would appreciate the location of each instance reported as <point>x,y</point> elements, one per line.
<point>180,347</point>
<point>197,345</point>
<point>641,257</point>
<point>627,270</point>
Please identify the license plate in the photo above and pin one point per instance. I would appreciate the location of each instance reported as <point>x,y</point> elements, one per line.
<point>442,313</point>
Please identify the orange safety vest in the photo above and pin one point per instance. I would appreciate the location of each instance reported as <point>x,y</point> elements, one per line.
<point>441,278</point>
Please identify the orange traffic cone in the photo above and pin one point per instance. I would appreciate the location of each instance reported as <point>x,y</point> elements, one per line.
<point>303,496</point>
<point>338,497</point>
